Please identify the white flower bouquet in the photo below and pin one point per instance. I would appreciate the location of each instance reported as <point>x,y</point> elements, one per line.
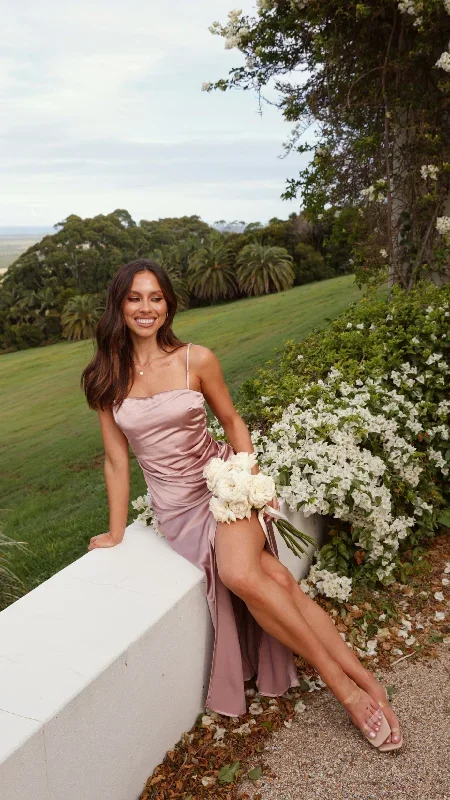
<point>236,491</point>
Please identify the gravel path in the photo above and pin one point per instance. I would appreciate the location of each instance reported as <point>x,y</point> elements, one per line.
<point>323,757</point>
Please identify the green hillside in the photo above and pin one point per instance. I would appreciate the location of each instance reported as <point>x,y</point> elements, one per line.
<point>52,489</point>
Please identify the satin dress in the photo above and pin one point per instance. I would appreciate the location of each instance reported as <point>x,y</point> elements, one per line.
<point>168,434</point>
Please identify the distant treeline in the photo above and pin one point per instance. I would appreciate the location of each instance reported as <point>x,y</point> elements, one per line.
<point>57,288</point>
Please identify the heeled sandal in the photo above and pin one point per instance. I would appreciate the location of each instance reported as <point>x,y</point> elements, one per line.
<point>390,745</point>
<point>385,728</point>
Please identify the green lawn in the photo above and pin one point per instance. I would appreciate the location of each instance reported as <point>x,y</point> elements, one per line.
<point>52,489</point>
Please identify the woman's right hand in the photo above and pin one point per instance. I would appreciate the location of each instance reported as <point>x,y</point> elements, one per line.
<point>104,540</point>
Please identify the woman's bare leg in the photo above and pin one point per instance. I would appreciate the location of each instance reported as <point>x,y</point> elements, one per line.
<point>325,630</point>
<point>238,549</point>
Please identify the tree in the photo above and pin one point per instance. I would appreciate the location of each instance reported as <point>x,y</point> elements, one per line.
<point>172,230</point>
<point>376,85</point>
<point>80,316</point>
<point>164,258</point>
<point>309,265</point>
<point>211,274</point>
<point>264,269</point>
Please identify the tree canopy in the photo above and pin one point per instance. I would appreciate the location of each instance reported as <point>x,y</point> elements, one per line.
<point>374,80</point>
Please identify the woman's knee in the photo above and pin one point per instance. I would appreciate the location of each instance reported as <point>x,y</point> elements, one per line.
<point>278,572</point>
<point>242,582</point>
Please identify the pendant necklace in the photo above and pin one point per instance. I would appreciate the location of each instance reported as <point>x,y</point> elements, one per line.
<point>141,367</point>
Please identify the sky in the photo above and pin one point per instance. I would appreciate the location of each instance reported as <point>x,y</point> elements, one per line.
<point>101,108</point>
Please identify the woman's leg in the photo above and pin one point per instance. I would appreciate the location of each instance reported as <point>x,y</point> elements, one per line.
<point>238,547</point>
<point>326,631</point>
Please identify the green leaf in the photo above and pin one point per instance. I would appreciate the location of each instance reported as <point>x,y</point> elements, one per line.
<point>255,773</point>
<point>342,549</point>
<point>266,724</point>
<point>444,519</point>
<point>228,773</point>
<point>305,687</point>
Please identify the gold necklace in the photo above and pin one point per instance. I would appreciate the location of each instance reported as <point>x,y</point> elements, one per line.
<point>141,367</point>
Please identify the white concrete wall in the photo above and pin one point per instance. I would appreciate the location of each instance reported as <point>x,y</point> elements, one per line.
<point>103,667</point>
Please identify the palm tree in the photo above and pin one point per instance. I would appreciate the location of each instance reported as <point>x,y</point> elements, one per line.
<point>163,257</point>
<point>80,316</point>
<point>263,269</point>
<point>211,273</point>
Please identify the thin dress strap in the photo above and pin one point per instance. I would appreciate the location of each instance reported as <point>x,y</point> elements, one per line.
<point>187,365</point>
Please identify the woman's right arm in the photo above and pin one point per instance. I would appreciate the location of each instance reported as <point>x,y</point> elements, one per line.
<point>117,479</point>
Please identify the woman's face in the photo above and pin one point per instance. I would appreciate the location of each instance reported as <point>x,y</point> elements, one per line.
<point>144,308</point>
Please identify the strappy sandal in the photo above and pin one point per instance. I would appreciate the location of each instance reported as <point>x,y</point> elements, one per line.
<point>390,745</point>
<point>385,728</point>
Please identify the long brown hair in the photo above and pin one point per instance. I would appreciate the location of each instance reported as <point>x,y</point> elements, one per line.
<point>106,379</point>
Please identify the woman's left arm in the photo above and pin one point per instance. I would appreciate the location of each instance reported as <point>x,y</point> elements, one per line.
<point>208,369</point>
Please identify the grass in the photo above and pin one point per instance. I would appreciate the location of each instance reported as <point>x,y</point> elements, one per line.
<point>52,489</point>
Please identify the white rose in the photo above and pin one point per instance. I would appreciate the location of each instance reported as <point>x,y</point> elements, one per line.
<point>261,489</point>
<point>221,512</point>
<point>244,461</point>
<point>214,470</point>
<point>241,509</point>
<point>232,486</point>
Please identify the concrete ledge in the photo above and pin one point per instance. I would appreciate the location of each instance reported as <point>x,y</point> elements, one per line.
<point>102,668</point>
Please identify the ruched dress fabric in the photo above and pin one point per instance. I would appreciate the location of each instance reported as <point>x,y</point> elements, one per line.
<point>168,434</point>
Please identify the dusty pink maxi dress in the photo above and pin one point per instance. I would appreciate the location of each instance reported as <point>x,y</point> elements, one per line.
<point>168,434</point>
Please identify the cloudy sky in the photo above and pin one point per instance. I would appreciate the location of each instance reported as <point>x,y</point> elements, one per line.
<point>102,108</point>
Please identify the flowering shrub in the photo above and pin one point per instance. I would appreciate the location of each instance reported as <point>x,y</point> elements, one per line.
<point>353,423</point>
<point>348,451</point>
<point>146,514</point>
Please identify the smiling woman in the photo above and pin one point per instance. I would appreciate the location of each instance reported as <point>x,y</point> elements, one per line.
<point>139,293</point>
<point>260,614</point>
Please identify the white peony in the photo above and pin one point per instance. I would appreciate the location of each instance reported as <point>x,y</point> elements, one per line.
<point>233,486</point>
<point>261,489</point>
<point>214,470</point>
<point>241,509</point>
<point>221,511</point>
<point>245,461</point>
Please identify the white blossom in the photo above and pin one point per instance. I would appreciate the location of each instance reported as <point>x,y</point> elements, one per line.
<point>429,171</point>
<point>443,223</point>
<point>444,61</point>
<point>147,513</point>
<point>255,709</point>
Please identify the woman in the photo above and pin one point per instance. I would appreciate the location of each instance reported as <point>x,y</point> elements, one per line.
<point>149,390</point>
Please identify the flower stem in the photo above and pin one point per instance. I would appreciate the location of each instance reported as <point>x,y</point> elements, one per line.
<point>294,539</point>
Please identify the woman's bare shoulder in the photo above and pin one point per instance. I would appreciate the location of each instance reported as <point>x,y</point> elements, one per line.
<point>201,356</point>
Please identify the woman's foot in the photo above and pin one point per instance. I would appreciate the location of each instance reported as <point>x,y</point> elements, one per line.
<point>378,693</point>
<point>365,713</point>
